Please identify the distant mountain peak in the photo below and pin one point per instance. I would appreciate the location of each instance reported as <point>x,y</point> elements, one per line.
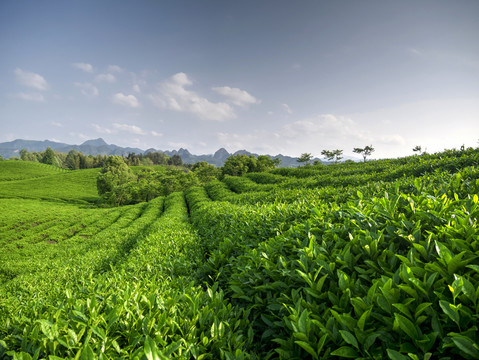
<point>95,142</point>
<point>221,154</point>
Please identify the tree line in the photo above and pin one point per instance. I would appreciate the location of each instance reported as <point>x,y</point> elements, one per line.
<point>118,185</point>
<point>75,160</point>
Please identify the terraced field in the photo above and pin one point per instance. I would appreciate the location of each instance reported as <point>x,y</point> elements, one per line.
<point>372,260</point>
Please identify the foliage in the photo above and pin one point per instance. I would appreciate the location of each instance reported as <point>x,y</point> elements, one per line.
<point>365,152</point>
<point>238,165</point>
<point>206,172</point>
<point>50,158</point>
<point>305,158</point>
<point>418,149</point>
<point>175,160</point>
<point>332,155</point>
<point>113,181</point>
<point>151,158</point>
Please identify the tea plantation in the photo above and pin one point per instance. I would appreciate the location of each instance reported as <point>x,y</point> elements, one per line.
<point>371,260</point>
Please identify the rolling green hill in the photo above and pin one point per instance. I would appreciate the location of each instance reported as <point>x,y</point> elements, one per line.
<point>39,181</point>
<point>21,170</point>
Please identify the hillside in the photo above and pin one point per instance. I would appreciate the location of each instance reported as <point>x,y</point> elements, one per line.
<point>30,180</point>
<point>20,170</point>
<point>370,260</point>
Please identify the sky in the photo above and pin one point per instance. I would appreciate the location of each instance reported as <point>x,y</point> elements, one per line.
<point>272,77</point>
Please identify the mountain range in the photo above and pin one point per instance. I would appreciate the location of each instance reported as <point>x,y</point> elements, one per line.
<point>100,147</point>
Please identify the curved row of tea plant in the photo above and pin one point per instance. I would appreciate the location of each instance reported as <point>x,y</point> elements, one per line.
<point>389,274</point>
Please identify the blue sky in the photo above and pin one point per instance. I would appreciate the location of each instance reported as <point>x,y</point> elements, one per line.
<point>266,76</point>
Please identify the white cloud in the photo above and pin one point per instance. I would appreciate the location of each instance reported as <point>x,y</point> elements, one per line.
<point>105,78</point>
<point>178,145</point>
<point>57,124</point>
<point>37,97</point>
<point>87,89</point>
<point>101,129</point>
<point>237,96</point>
<point>126,100</point>
<point>270,113</point>
<point>88,68</point>
<point>154,133</point>
<point>136,88</point>
<point>287,108</point>
<point>132,129</point>
<point>174,96</point>
<point>326,131</point>
<point>80,136</point>
<point>30,79</point>
<point>115,68</point>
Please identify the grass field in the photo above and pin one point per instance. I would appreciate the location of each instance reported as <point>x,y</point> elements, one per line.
<point>366,260</point>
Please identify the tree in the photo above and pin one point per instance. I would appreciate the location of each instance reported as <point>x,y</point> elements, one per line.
<point>333,155</point>
<point>50,158</point>
<point>72,160</point>
<point>24,154</point>
<point>305,158</point>
<point>175,160</point>
<point>205,172</point>
<point>236,165</point>
<point>265,163</point>
<point>418,149</point>
<point>365,152</point>
<point>112,181</point>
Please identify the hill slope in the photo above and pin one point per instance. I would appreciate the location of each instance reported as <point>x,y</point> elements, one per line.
<point>45,182</point>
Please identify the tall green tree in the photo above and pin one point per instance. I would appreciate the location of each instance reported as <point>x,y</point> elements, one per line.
<point>72,160</point>
<point>205,172</point>
<point>365,152</point>
<point>50,158</point>
<point>332,155</point>
<point>305,158</point>
<point>265,163</point>
<point>113,181</point>
<point>236,165</point>
<point>175,160</point>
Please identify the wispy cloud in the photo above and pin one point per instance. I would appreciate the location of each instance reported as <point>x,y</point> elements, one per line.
<point>57,124</point>
<point>36,97</point>
<point>115,68</point>
<point>132,129</point>
<point>88,68</point>
<point>87,89</point>
<point>136,88</point>
<point>237,96</point>
<point>101,129</point>
<point>287,108</point>
<point>325,131</point>
<point>31,79</point>
<point>126,100</point>
<point>173,95</point>
<point>128,128</point>
<point>105,78</point>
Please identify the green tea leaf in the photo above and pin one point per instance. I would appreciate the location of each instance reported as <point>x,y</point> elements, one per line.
<point>395,355</point>
<point>448,310</point>
<point>465,344</point>
<point>407,326</point>
<point>345,351</point>
<point>421,308</point>
<point>349,338</point>
<point>308,348</point>
<point>363,318</point>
